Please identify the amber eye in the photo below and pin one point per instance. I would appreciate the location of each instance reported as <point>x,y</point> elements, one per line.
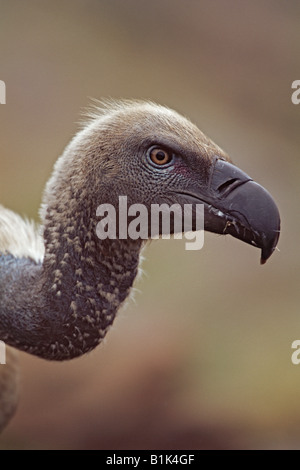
<point>159,156</point>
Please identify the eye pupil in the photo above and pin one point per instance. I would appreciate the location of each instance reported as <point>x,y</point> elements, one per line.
<point>159,156</point>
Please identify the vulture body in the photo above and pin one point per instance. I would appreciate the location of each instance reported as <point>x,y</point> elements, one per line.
<point>60,285</point>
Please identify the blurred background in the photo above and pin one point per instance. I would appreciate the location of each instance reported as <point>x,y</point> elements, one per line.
<point>201,359</point>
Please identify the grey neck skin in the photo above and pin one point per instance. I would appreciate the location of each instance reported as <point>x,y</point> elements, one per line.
<point>63,308</point>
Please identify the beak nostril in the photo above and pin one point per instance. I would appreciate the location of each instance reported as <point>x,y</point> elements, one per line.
<point>228,185</point>
<point>226,177</point>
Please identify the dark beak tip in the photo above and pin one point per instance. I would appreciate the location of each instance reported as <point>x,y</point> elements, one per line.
<point>262,214</point>
<point>267,251</point>
<point>265,255</point>
<point>248,210</point>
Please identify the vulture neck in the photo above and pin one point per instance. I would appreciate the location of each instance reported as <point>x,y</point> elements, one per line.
<point>63,308</point>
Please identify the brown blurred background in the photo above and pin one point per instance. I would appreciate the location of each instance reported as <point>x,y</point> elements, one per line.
<point>202,357</point>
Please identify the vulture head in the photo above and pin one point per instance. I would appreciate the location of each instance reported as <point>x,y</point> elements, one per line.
<point>153,155</point>
<point>60,284</point>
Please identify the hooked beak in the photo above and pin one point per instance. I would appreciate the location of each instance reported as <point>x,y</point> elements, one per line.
<point>235,204</point>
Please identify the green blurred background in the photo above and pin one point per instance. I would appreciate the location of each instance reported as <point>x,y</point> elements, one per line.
<point>202,357</point>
